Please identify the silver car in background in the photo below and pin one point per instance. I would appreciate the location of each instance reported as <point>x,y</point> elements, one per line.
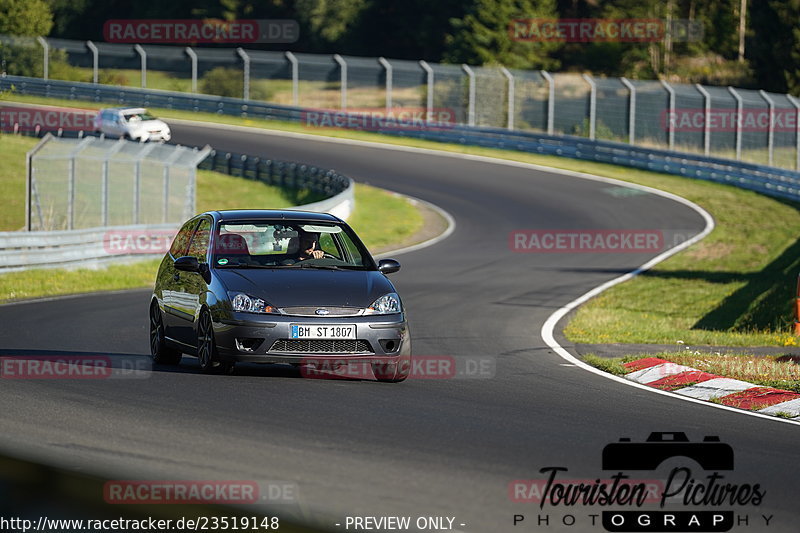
<point>133,123</point>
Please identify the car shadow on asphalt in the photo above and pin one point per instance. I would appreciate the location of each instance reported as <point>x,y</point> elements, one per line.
<point>133,362</point>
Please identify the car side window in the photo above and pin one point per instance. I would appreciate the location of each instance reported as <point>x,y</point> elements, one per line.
<point>181,242</point>
<point>199,245</point>
<point>327,245</point>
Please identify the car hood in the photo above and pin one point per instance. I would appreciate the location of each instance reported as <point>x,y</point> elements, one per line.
<point>292,287</point>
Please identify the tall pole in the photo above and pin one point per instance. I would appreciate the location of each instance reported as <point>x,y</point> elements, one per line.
<point>742,24</point>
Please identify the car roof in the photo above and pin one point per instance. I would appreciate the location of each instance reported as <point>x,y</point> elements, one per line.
<point>126,109</point>
<point>272,214</point>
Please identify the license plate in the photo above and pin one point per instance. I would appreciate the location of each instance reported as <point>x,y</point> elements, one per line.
<point>323,331</point>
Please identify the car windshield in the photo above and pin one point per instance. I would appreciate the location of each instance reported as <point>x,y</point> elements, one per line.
<point>286,244</point>
<point>133,117</point>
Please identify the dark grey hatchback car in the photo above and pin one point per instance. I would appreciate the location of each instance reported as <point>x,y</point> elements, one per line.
<point>277,287</point>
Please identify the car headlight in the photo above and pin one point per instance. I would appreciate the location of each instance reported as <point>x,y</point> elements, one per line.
<point>249,304</point>
<point>385,305</point>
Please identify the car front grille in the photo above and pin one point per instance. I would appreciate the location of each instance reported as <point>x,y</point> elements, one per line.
<point>331,311</point>
<point>310,346</point>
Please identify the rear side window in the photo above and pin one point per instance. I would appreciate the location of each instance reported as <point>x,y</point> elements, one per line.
<point>199,246</point>
<point>181,242</point>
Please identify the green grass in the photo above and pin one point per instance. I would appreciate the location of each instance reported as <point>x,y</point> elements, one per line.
<point>382,218</point>
<point>606,364</point>
<point>734,288</point>
<point>56,281</point>
<point>12,180</point>
<point>780,372</point>
<point>220,191</point>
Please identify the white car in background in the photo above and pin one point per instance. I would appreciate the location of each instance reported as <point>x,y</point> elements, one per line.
<point>133,123</point>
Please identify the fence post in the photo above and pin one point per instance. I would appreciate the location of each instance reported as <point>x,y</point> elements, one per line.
<point>46,59</point>
<point>143,55</point>
<point>471,95</point>
<point>669,122</point>
<point>511,96</point>
<point>592,106</point>
<point>193,57</point>
<point>246,71</point>
<point>137,179</point>
<point>631,110</point>
<point>796,105</point>
<point>387,67</point>
<point>295,77</point>
<point>71,181</point>
<point>551,101</point>
<point>104,187</point>
<point>771,127</point>
<point>343,78</point>
<point>738,132</point>
<point>95,59</point>
<point>706,117</point>
<point>167,164</point>
<point>429,71</point>
<point>30,185</point>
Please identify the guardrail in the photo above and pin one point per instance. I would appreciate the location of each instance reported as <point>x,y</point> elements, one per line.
<point>761,178</point>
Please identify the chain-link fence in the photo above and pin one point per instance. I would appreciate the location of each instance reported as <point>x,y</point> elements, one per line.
<point>752,126</point>
<point>94,182</point>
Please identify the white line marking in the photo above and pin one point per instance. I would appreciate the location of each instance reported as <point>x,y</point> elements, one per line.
<point>451,227</point>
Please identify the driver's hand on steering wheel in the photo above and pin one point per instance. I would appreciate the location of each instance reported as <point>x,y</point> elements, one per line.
<point>313,253</point>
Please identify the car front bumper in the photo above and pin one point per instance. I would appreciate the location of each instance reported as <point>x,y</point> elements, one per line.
<point>267,339</point>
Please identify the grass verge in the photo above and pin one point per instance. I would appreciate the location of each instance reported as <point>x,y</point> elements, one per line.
<point>778,371</point>
<point>733,288</point>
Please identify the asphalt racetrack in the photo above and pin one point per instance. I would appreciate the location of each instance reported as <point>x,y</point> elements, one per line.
<point>426,447</point>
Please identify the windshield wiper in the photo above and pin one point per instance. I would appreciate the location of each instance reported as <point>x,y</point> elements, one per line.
<point>235,265</point>
<point>312,265</point>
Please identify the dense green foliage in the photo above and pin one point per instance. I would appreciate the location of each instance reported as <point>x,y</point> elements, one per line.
<point>477,32</point>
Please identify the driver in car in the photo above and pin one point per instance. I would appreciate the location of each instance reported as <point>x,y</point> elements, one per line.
<point>308,247</point>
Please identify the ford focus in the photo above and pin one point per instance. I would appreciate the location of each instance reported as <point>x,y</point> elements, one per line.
<point>276,287</point>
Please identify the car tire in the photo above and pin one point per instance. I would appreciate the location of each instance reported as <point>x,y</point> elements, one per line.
<point>207,353</point>
<point>159,351</point>
<point>395,372</point>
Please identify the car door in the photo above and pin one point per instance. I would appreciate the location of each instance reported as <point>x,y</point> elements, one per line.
<point>190,287</point>
<point>169,279</point>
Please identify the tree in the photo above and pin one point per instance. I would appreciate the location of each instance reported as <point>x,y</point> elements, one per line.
<point>774,49</point>
<point>29,18</point>
<point>482,36</point>
<point>330,19</point>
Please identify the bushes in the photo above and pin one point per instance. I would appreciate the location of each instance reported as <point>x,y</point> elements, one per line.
<point>225,81</point>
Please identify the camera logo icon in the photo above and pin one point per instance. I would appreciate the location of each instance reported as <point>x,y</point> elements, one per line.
<point>710,454</point>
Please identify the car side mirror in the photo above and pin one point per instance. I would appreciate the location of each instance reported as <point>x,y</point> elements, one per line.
<point>187,264</point>
<point>388,266</point>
